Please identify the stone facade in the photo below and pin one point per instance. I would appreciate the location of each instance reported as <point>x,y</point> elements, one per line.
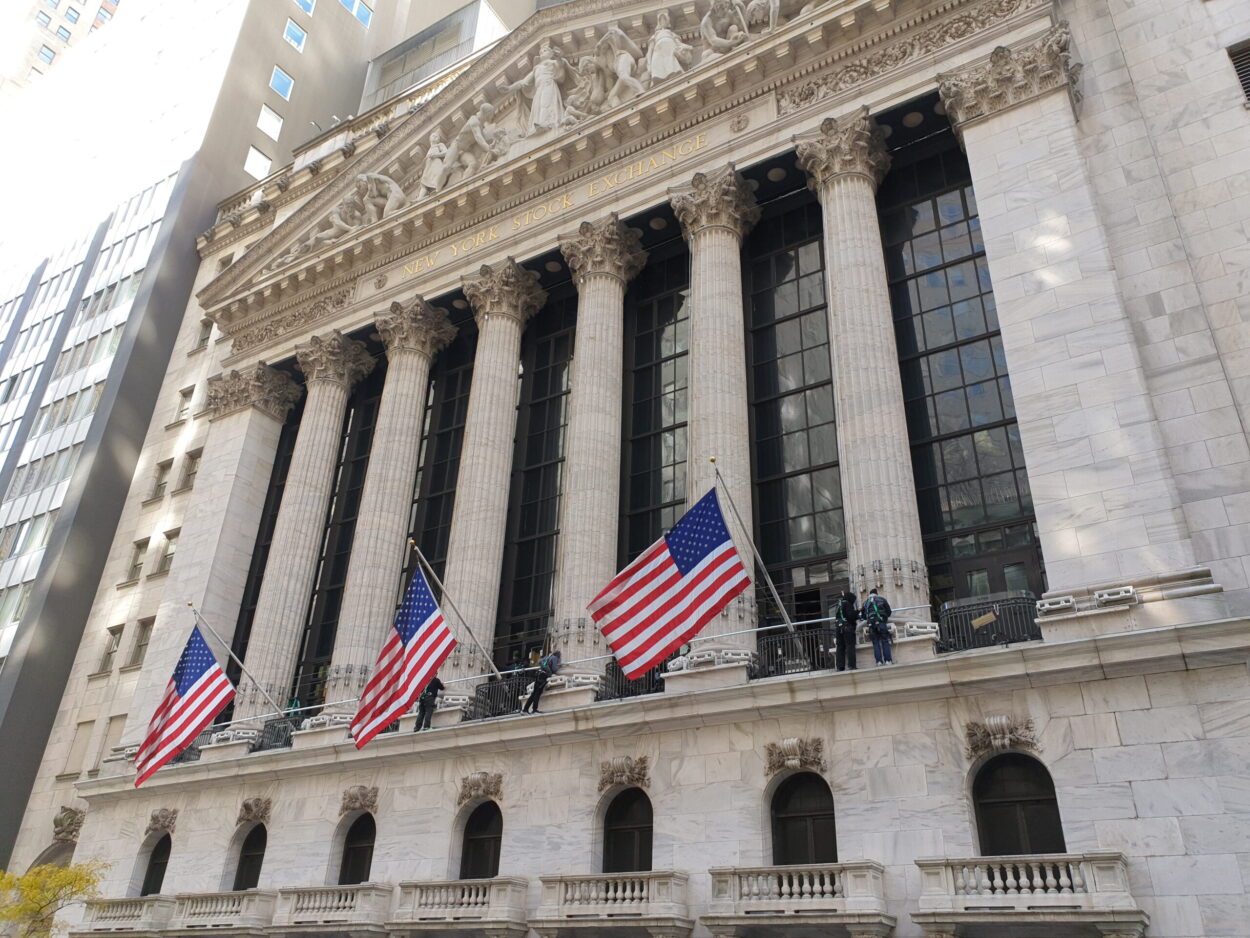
<point>1113,220</point>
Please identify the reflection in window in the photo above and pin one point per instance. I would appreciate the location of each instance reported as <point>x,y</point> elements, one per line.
<point>281,82</point>
<point>294,35</point>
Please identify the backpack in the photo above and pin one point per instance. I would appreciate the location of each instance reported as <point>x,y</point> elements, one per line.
<point>877,611</point>
<point>845,612</point>
<point>548,665</point>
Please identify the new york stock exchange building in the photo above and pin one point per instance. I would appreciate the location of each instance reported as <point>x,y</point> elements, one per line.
<point>947,299</point>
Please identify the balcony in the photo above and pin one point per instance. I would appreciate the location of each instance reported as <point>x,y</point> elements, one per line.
<point>467,907</point>
<point>333,910</point>
<point>636,904</point>
<point>1076,894</point>
<point>147,915</point>
<point>247,912</point>
<point>808,901</point>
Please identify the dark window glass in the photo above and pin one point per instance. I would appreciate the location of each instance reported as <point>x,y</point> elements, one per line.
<point>358,851</point>
<point>1016,808</point>
<point>158,860</point>
<point>627,833</point>
<point>803,825</point>
<point>970,477</point>
<point>483,833</point>
<point>537,463</point>
<point>251,856</point>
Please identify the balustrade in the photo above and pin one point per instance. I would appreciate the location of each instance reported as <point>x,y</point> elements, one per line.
<point>367,903</point>
<point>248,908</point>
<point>833,888</point>
<point>499,899</point>
<point>651,894</point>
<point>145,913</point>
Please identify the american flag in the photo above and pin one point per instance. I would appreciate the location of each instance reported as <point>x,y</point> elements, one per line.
<point>197,692</point>
<point>671,590</point>
<point>418,643</point>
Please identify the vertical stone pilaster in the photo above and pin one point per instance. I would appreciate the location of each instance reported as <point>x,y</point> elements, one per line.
<point>413,333</point>
<point>603,256</point>
<point>247,409</point>
<point>332,365</point>
<point>846,160</point>
<point>504,297</point>
<point>716,211</point>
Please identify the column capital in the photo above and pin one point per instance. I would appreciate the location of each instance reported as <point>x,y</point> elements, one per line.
<point>269,391</point>
<point>604,247</point>
<point>854,144</point>
<point>416,326</point>
<point>719,199</point>
<point>334,357</point>
<point>506,289</point>
<point>1011,76</point>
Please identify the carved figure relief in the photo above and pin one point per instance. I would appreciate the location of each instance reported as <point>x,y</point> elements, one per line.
<point>480,785</point>
<point>163,819</point>
<point>359,798</point>
<point>541,87</point>
<point>432,175</point>
<point>667,55</point>
<point>255,810</point>
<point>67,824</point>
<point>723,28</point>
<point>372,197</point>
<point>795,753</point>
<point>625,770</point>
<point>999,733</point>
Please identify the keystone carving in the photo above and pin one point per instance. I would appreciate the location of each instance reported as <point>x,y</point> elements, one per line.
<point>852,144</point>
<point>719,199</point>
<point>999,733</point>
<point>795,753</point>
<point>67,824</point>
<point>506,289</point>
<point>625,770</point>
<point>359,798</point>
<point>255,810</point>
<point>416,325</point>
<point>269,391</point>
<point>163,819</point>
<point>604,247</point>
<point>480,785</point>
<point>1012,76</point>
<point>334,357</point>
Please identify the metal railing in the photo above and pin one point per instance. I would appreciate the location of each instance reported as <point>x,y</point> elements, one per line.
<point>274,734</point>
<point>499,697</point>
<point>997,619</point>
<point>794,652</point>
<point>616,686</point>
<point>192,752</point>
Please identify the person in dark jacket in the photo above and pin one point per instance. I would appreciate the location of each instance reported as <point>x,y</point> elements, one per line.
<point>846,616</point>
<point>876,613</point>
<point>546,668</point>
<point>427,702</point>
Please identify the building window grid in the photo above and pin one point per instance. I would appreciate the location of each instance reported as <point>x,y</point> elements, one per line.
<point>43,19</point>
<point>359,9</point>
<point>190,469</point>
<point>306,5</point>
<point>138,553</point>
<point>46,54</point>
<point>205,335</point>
<point>71,14</point>
<point>657,344</point>
<point>183,408</point>
<point>62,33</point>
<point>160,479</point>
<point>167,557</point>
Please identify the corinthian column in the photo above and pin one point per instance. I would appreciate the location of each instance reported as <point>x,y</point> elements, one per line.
<point>846,160</point>
<point>413,334</point>
<point>603,256</point>
<point>716,211</point>
<point>503,297</point>
<point>332,364</point>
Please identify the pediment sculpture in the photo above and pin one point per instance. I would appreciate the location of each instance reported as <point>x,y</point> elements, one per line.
<point>371,198</point>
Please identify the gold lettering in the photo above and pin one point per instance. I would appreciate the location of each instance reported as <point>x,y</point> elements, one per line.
<point>670,155</point>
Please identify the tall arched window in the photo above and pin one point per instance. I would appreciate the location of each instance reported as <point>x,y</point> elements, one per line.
<point>627,833</point>
<point>1016,807</point>
<point>803,826</point>
<point>358,851</point>
<point>158,859</point>
<point>251,856</point>
<point>483,833</point>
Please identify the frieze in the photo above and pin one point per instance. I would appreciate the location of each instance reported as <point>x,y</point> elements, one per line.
<point>162,819</point>
<point>290,321</point>
<point>795,753</point>
<point>479,786</point>
<point>67,825</point>
<point>998,734</point>
<point>359,798</point>
<point>625,770</point>
<point>255,811</point>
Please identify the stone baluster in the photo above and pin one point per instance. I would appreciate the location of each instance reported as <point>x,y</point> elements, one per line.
<point>603,256</point>
<point>716,211</point>
<point>413,333</point>
<point>332,365</point>
<point>846,160</point>
<point>503,297</point>
<point>246,411</point>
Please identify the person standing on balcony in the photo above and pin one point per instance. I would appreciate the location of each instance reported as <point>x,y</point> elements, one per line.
<point>546,668</point>
<point>845,617</point>
<point>877,614</point>
<point>427,702</point>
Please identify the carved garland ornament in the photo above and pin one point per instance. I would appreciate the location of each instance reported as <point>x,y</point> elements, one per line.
<point>625,770</point>
<point>255,810</point>
<point>480,785</point>
<point>67,824</point>
<point>272,328</point>
<point>795,753</point>
<point>163,819</point>
<point>999,733</point>
<point>260,386</point>
<point>359,798</point>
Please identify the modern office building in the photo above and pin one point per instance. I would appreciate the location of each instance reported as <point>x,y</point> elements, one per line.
<point>954,295</point>
<point>40,33</point>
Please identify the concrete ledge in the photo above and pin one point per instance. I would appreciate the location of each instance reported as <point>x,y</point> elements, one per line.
<point>218,752</point>
<point>696,679</point>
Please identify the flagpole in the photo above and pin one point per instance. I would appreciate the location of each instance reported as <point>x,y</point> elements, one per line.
<point>754,550</point>
<point>447,599</point>
<point>234,657</point>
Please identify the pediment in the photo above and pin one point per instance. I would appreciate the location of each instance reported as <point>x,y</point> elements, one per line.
<point>572,83</point>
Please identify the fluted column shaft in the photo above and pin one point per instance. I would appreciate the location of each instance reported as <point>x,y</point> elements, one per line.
<point>716,212</point>
<point>847,159</point>
<point>503,298</point>
<point>333,365</point>
<point>603,256</point>
<point>413,334</point>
